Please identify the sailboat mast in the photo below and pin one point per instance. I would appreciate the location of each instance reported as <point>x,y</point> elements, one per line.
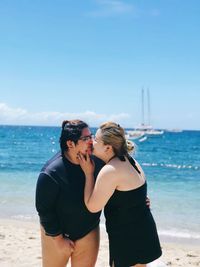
<point>142,106</point>
<point>149,108</point>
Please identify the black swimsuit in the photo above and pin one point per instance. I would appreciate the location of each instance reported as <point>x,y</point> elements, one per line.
<point>60,199</point>
<point>131,228</point>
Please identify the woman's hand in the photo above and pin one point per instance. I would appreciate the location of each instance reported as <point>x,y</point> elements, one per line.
<point>87,164</point>
<point>148,202</point>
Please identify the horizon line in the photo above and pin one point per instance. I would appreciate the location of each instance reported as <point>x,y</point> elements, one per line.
<point>57,126</point>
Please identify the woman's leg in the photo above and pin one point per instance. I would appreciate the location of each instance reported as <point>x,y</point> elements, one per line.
<point>50,256</point>
<point>86,250</point>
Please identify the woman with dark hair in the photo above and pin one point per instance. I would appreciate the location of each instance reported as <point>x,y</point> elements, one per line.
<point>121,188</point>
<point>68,229</point>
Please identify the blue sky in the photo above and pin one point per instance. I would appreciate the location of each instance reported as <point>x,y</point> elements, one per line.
<point>90,59</point>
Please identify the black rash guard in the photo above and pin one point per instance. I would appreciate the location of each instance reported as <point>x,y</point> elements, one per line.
<point>60,199</point>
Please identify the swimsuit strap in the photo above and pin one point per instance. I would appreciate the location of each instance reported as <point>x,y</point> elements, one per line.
<point>132,162</point>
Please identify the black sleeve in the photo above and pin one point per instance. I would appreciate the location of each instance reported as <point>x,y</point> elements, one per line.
<point>98,165</point>
<point>47,190</point>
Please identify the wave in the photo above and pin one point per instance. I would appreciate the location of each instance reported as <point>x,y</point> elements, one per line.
<point>22,217</point>
<point>176,233</point>
<point>179,234</point>
<point>174,166</point>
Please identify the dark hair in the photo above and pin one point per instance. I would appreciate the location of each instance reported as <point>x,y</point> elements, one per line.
<point>71,130</point>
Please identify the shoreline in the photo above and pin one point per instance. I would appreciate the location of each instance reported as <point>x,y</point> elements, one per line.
<point>20,247</point>
<point>173,239</point>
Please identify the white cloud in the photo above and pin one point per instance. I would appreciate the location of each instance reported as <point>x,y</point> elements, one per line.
<point>111,7</point>
<point>18,116</point>
<point>7,113</point>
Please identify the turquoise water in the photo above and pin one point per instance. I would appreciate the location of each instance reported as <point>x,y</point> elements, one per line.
<point>171,163</point>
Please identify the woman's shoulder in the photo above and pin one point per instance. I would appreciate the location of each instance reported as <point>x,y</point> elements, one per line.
<point>108,170</point>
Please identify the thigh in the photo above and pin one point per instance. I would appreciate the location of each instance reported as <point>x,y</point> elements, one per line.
<point>50,256</point>
<point>86,250</point>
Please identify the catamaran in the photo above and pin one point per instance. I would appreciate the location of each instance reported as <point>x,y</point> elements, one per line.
<point>144,129</point>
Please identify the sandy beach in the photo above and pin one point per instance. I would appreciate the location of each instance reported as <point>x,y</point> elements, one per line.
<point>20,247</point>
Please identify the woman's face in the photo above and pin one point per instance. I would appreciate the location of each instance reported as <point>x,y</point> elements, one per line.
<point>98,145</point>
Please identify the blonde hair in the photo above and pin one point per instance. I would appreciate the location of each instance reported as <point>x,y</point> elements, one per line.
<point>130,146</point>
<point>113,134</point>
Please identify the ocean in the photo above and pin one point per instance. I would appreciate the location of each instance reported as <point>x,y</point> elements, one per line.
<point>171,163</point>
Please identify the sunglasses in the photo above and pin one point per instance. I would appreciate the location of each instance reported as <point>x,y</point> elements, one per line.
<point>86,138</point>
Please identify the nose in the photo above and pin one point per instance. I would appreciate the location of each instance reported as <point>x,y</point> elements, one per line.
<point>91,140</point>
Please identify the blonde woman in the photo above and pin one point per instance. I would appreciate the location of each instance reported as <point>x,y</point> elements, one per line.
<point>121,188</point>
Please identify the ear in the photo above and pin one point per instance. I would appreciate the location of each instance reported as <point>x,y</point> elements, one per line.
<point>108,148</point>
<point>70,144</point>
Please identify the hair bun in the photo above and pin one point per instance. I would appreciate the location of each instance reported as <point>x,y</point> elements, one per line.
<point>130,146</point>
<point>64,123</point>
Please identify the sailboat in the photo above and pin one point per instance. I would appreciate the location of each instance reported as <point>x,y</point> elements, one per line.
<point>144,130</point>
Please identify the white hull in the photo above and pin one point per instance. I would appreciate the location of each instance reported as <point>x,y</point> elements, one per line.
<point>143,131</point>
